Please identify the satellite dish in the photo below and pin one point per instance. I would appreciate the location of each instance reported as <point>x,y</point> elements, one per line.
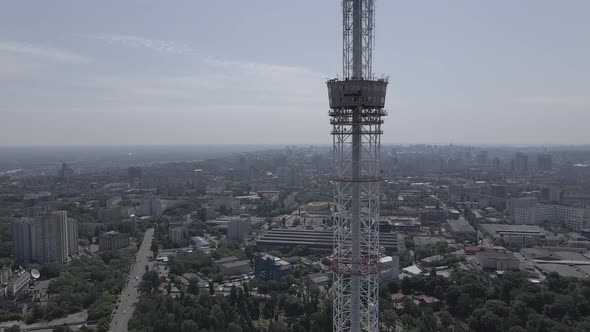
<point>35,274</point>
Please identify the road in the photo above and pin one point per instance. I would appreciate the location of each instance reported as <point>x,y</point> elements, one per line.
<point>130,295</point>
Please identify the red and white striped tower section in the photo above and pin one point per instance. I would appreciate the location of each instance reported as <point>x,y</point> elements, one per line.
<point>357,104</point>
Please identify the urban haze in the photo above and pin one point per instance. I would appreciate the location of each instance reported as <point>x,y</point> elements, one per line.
<point>210,72</point>
<point>280,166</point>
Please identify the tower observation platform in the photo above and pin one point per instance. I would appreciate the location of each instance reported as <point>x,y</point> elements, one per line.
<point>357,108</point>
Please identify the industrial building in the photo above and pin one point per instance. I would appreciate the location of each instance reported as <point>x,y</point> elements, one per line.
<point>461,229</point>
<point>515,233</point>
<point>315,241</point>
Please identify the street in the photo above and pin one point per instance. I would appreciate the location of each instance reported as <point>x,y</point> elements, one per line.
<point>130,295</point>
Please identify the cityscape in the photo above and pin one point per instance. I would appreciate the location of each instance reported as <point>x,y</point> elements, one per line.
<point>362,231</point>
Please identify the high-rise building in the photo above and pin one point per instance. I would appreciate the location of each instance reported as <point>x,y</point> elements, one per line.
<point>521,162</point>
<point>482,158</point>
<point>496,163</point>
<point>22,239</point>
<point>73,237</point>
<point>65,171</point>
<point>545,162</point>
<point>50,238</point>
<point>152,206</point>
<point>134,174</point>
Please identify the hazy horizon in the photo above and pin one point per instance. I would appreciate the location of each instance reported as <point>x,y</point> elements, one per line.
<point>131,73</point>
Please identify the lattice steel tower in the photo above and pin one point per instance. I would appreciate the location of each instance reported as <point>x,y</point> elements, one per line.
<point>357,104</point>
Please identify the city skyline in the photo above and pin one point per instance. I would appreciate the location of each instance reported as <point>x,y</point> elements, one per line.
<point>475,73</point>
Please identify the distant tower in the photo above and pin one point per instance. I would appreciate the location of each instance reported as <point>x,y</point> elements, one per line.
<point>521,162</point>
<point>134,174</point>
<point>357,104</point>
<point>545,162</point>
<point>65,171</point>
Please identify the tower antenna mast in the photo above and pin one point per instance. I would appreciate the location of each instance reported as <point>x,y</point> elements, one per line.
<point>357,103</point>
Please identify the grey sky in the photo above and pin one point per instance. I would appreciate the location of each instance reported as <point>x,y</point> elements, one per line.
<point>234,71</point>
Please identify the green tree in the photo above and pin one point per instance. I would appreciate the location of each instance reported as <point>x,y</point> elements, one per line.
<point>211,288</point>
<point>13,328</point>
<point>464,305</point>
<point>445,318</point>
<point>154,248</point>
<point>189,326</point>
<point>150,281</point>
<point>218,317</point>
<point>193,286</point>
<point>484,320</point>
<point>406,286</point>
<point>233,327</point>
<point>427,323</point>
<point>389,319</point>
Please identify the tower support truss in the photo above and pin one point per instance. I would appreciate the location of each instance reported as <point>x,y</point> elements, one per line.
<point>357,109</point>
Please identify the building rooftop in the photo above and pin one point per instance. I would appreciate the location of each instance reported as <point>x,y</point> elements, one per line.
<point>319,241</point>
<point>427,240</point>
<point>562,270</point>
<point>319,278</point>
<point>235,263</point>
<point>460,226</point>
<point>397,297</point>
<point>225,260</point>
<point>414,270</point>
<point>498,255</point>
<point>506,229</point>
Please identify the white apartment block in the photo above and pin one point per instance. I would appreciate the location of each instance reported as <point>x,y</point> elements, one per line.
<point>572,217</point>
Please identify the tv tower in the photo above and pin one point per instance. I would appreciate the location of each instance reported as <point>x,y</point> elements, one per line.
<point>357,104</point>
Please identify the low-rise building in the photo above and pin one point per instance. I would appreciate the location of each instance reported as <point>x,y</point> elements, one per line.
<point>224,260</point>
<point>112,240</point>
<point>267,267</point>
<point>423,241</point>
<point>461,229</point>
<point>235,268</point>
<point>472,250</point>
<point>497,260</point>
<point>19,285</point>
<point>320,279</point>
